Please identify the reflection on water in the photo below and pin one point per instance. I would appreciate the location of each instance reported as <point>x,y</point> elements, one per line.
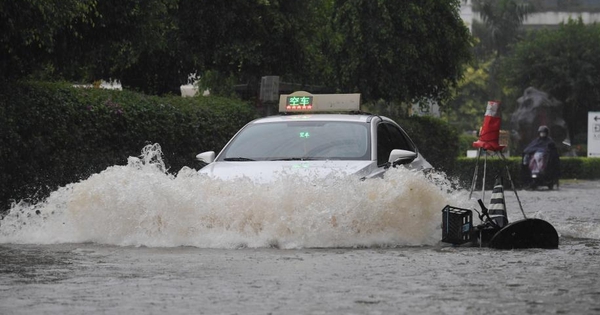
<point>140,204</point>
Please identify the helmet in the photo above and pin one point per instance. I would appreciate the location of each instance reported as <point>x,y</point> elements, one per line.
<point>543,129</point>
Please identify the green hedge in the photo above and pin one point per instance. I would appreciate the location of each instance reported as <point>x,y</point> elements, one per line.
<point>53,134</point>
<point>436,140</point>
<point>571,168</point>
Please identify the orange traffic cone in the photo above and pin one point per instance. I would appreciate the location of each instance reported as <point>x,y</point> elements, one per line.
<point>489,136</point>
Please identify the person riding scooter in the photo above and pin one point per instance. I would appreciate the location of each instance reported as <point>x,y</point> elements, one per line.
<point>541,163</point>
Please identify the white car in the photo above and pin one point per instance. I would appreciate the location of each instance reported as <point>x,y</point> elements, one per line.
<point>302,140</point>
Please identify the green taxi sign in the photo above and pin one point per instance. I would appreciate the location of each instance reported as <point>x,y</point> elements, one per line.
<point>299,102</point>
<point>302,101</point>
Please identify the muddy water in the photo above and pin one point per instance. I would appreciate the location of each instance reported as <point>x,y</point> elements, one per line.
<point>136,240</point>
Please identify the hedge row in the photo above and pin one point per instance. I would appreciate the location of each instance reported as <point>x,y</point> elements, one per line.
<point>52,134</point>
<point>571,168</point>
<point>436,140</point>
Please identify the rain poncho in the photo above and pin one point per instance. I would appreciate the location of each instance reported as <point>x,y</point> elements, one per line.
<point>541,156</point>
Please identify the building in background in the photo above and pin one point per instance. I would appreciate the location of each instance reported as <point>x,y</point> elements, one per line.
<point>548,13</point>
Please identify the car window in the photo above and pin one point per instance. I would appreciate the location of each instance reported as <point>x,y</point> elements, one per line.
<point>317,140</point>
<point>384,144</point>
<point>399,140</point>
<point>390,137</point>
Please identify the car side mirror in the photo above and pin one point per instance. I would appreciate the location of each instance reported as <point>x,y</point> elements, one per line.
<point>401,157</point>
<point>206,157</point>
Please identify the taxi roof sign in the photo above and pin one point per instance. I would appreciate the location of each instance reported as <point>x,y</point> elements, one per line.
<point>302,101</point>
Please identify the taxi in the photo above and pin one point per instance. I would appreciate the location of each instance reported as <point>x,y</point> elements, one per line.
<point>315,134</point>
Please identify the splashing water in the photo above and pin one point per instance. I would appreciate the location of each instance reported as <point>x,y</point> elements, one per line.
<point>140,204</point>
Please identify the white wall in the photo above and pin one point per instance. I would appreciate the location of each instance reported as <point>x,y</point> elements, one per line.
<point>535,19</point>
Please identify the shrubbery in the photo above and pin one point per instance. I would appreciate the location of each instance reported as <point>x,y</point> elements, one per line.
<point>465,143</point>
<point>53,134</point>
<point>436,140</point>
<point>570,168</point>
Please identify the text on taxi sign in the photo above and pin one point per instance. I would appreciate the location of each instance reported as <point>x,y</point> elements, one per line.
<point>299,102</point>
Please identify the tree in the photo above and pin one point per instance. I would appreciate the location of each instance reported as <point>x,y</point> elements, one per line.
<point>399,50</point>
<point>136,42</point>
<point>502,23</point>
<point>384,49</point>
<point>154,45</point>
<point>29,28</point>
<point>467,107</point>
<point>249,39</point>
<point>564,63</point>
<point>501,27</point>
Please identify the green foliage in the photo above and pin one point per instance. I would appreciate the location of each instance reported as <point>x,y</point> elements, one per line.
<point>500,29</point>
<point>467,107</point>
<point>384,49</point>
<point>136,42</point>
<point>245,40</point>
<point>570,168</point>
<point>436,140</point>
<point>465,167</point>
<point>502,20</point>
<point>398,50</point>
<point>218,84</point>
<point>465,142</point>
<point>53,134</point>
<point>29,30</point>
<point>565,63</point>
<point>580,167</point>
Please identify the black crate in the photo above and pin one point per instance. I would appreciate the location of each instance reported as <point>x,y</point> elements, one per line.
<point>456,225</point>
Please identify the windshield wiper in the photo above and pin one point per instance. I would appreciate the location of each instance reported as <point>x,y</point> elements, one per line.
<point>295,159</point>
<point>237,159</point>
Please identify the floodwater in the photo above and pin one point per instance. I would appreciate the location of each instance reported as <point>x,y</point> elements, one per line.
<point>134,239</point>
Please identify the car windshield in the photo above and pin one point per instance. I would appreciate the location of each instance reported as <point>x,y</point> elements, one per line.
<point>300,140</point>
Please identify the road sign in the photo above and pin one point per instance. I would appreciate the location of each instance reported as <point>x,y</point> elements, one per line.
<point>593,146</point>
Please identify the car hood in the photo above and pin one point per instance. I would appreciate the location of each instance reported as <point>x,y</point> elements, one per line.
<point>266,171</point>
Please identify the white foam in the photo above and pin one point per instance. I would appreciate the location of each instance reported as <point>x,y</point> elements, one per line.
<point>140,204</point>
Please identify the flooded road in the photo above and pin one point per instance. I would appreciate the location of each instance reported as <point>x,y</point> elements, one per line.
<point>104,279</point>
<point>133,240</point>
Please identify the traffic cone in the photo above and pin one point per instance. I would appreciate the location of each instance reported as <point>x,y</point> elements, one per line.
<point>489,135</point>
<point>497,208</point>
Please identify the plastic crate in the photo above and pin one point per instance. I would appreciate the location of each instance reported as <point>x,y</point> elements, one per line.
<point>456,225</point>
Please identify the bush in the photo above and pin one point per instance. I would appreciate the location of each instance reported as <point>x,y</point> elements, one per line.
<point>465,168</point>
<point>436,140</point>
<point>53,134</point>
<point>570,168</point>
<point>465,142</point>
